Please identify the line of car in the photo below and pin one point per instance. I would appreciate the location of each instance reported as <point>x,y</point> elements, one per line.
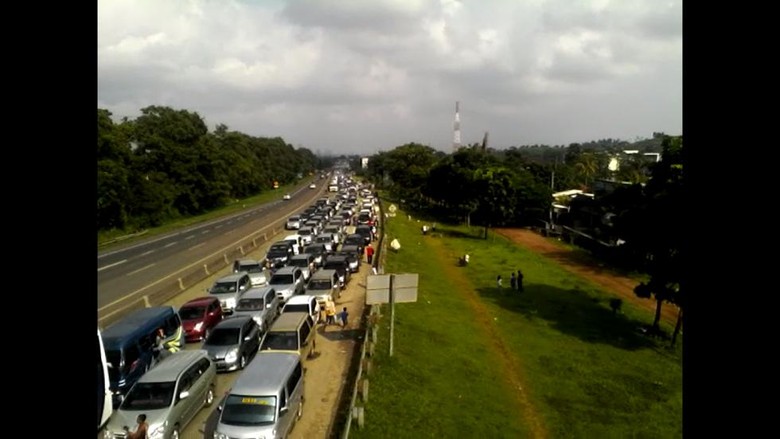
<point>262,307</point>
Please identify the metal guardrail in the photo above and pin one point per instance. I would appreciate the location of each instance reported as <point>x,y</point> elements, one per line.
<point>194,274</point>
<point>370,320</point>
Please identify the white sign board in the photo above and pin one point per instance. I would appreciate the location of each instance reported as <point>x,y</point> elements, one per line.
<point>404,288</point>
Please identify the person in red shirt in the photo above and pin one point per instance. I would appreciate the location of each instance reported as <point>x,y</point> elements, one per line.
<point>369,253</point>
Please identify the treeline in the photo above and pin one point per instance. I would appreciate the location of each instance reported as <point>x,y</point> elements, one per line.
<point>637,215</point>
<point>166,164</point>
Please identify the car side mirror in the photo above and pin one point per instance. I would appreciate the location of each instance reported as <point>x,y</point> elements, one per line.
<point>247,338</point>
<point>267,306</point>
<point>184,394</point>
<point>283,410</point>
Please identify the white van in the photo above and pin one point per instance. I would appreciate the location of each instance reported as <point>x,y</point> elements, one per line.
<point>266,400</point>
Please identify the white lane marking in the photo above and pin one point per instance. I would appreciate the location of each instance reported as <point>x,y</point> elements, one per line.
<point>218,227</point>
<point>170,244</point>
<point>204,232</point>
<point>190,237</point>
<point>111,265</point>
<point>140,269</point>
<point>196,246</point>
<point>147,253</point>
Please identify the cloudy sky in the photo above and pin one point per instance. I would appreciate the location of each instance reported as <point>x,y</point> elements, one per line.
<point>361,76</point>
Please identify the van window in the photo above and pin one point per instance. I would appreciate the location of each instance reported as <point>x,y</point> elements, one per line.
<point>299,307</point>
<point>246,410</point>
<point>281,341</point>
<point>282,399</point>
<point>269,297</point>
<point>292,383</point>
<point>320,284</point>
<point>149,396</point>
<point>203,366</point>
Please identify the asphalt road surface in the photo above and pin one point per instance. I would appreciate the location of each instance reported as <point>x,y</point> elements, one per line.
<point>132,271</point>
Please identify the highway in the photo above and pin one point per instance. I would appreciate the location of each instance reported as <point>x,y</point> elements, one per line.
<point>132,271</point>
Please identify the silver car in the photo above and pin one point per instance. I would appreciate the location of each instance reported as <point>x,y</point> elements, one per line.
<point>170,395</point>
<point>256,270</point>
<point>288,281</point>
<point>262,304</point>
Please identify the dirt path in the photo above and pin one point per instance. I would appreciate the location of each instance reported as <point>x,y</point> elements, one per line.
<point>510,364</point>
<point>588,268</point>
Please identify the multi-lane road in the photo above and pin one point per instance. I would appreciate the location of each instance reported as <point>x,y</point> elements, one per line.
<point>134,270</point>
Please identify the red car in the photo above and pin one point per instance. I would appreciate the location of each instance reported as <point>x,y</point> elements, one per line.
<point>199,316</point>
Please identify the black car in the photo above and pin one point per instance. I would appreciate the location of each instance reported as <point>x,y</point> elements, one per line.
<point>318,251</point>
<point>233,342</point>
<point>357,240</point>
<point>366,232</point>
<point>341,265</point>
<point>354,256</point>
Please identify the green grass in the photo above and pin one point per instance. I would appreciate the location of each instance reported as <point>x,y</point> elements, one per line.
<point>587,372</point>
<point>109,238</point>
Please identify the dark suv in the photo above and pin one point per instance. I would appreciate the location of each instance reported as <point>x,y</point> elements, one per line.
<point>341,265</point>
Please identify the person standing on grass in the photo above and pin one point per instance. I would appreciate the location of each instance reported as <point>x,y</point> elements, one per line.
<point>519,280</point>
<point>498,281</point>
<point>512,281</point>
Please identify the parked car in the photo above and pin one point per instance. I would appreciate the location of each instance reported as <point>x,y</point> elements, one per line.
<point>354,257</point>
<point>293,223</point>
<point>288,281</point>
<point>304,261</point>
<point>229,288</point>
<point>233,342</point>
<point>306,234</point>
<point>286,197</point>
<point>312,186</point>
<point>318,251</point>
<point>326,239</point>
<point>170,395</point>
<point>279,253</point>
<point>262,304</point>
<point>256,270</point>
<point>304,303</point>
<point>356,240</point>
<point>324,283</point>
<point>366,232</point>
<point>199,316</point>
<point>341,265</point>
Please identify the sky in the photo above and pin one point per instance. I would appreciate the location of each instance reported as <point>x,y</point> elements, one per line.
<point>363,76</point>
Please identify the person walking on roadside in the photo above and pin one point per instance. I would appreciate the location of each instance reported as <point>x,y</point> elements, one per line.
<point>369,253</point>
<point>330,312</point>
<point>343,316</point>
<point>512,281</point>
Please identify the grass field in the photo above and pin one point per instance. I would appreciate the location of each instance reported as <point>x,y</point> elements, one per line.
<point>472,360</point>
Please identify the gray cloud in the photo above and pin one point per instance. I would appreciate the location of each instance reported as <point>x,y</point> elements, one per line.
<point>359,76</point>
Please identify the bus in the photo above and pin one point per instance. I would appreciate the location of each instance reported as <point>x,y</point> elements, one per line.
<point>105,406</point>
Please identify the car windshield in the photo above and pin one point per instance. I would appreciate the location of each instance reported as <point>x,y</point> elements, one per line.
<point>299,307</point>
<point>249,305</point>
<point>223,337</point>
<point>280,341</point>
<point>249,410</point>
<point>149,396</point>
<point>192,312</point>
<point>319,284</point>
<point>353,240</point>
<point>333,265</point>
<point>294,218</point>
<point>223,287</point>
<point>281,279</point>
<point>252,268</point>
<point>306,232</point>
<point>314,250</point>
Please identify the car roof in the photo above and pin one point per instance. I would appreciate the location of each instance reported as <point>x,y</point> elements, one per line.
<point>232,277</point>
<point>302,256</point>
<point>172,366</point>
<point>257,292</point>
<point>326,273</point>
<point>299,299</point>
<point>133,325</point>
<point>200,301</point>
<point>265,374</point>
<point>287,270</point>
<point>288,321</point>
<point>233,322</point>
